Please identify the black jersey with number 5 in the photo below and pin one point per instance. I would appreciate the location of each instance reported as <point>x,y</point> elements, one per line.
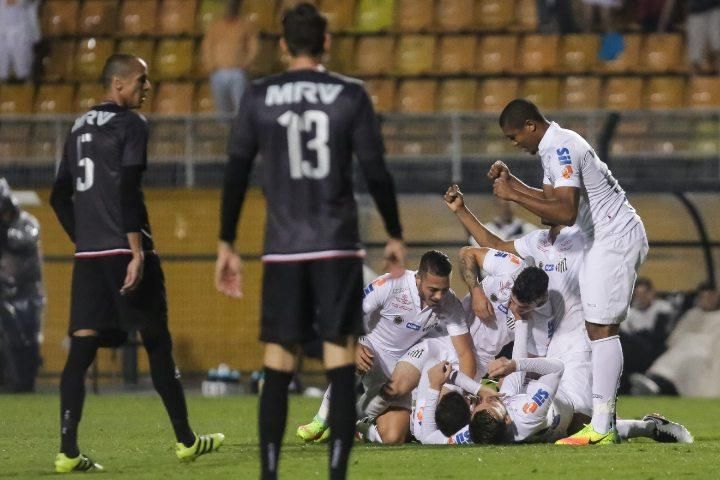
<point>306,125</point>
<point>100,144</point>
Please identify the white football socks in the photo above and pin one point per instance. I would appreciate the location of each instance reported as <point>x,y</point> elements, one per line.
<point>607,363</point>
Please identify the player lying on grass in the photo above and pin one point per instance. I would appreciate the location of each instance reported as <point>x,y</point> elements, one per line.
<point>398,313</point>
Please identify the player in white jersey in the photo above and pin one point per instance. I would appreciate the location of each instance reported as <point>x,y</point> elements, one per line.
<point>579,189</point>
<point>399,312</point>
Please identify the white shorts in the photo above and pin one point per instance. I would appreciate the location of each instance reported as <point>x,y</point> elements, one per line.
<point>439,349</point>
<point>380,373</point>
<point>608,273</point>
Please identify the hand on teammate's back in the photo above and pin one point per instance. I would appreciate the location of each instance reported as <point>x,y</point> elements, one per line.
<point>501,367</point>
<point>394,255</point>
<point>439,374</point>
<point>363,359</point>
<point>454,198</point>
<point>498,170</point>
<point>134,274</point>
<point>228,272</point>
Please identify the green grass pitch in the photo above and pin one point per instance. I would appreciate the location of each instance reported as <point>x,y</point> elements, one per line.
<point>131,437</point>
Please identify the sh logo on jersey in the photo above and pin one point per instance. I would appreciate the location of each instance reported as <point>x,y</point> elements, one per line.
<point>538,399</point>
<point>563,155</point>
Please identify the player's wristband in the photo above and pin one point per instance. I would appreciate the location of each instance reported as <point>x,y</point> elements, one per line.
<point>463,381</point>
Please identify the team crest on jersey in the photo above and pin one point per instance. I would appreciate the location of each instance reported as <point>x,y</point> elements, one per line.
<point>567,172</point>
<point>397,320</point>
<point>493,297</point>
<point>563,155</point>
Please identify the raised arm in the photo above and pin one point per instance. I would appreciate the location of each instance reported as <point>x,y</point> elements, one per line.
<point>501,170</point>
<point>558,206</point>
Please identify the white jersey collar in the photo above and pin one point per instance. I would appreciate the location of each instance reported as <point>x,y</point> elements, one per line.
<point>550,132</point>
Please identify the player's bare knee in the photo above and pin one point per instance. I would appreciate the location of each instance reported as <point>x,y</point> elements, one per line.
<point>597,331</point>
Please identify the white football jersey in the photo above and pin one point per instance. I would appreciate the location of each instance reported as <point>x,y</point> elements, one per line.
<point>397,321</point>
<point>569,161</point>
<point>529,405</point>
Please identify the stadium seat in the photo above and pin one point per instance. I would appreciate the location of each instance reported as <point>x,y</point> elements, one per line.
<point>496,54</point>
<point>457,95</point>
<point>173,59</point>
<point>629,59</point>
<point>204,102</point>
<point>173,98</point>
<point>454,15</point>
<point>57,64</point>
<point>54,98</point>
<point>623,93</point>
<point>374,55</point>
<point>208,11</point>
<point>268,57</point>
<point>581,93</point>
<point>342,54</point>
<point>137,17</point>
<point>340,14</point>
<point>543,92</point>
<point>416,96</point>
<point>177,17</point>
<point>414,15</point>
<point>59,17</point>
<point>382,93</point>
<point>456,53</point>
<point>538,53</point>
<point>97,17</point>
<point>90,57</point>
<point>494,14</point>
<point>663,52</point>
<point>374,15</point>
<point>664,93</point>
<point>415,54</point>
<point>495,93</point>
<point>579,53</point>
<point>88,95</point>
<point>144,49</point>
<point>704,92</point>
<point>262,14</point>
<point>526,15</point>
<point>16,99</point>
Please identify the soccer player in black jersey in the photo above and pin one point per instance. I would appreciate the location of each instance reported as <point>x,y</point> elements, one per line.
<point>117,282</point>
<point>306,124</point>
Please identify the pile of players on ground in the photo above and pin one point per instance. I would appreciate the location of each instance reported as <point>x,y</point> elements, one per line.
<point>423,362</point>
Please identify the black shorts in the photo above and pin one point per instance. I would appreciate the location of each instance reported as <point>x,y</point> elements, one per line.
<point>98,305</point>
<point>304,300</point>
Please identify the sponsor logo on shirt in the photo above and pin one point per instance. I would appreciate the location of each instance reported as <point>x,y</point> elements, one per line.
<point>367,290</point>
<point>417,353</point>
<point>563,155</point>
<point>379,282</point>
<point>562,266</point>
<point>428,327</point>
<point>460,438</point>
<point>397,291</point>
<point>514,259</point>
<point>537,401</point>
<point>501,254</point>
<point>567,172</point>
<point>549,267</point>
<point>412,326</point>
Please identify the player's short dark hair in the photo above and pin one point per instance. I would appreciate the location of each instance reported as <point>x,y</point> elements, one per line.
<point>117,65</point>
<point>435,262</point>
<point>452,413</point>
<point>517,112</point>
<point>644,282</point>
<point>304,30</point>
<point>531,285</point>
<point>485,429</point>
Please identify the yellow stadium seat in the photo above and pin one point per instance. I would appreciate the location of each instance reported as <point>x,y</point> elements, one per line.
<point>209,11</point>
<point>342,54</point>
<point>538,53</point>
<point>579,53</point>
<point>629,60</point>
<point>526,15</point>
<point>581,93</point>
<point>494,14</point>
<point>456,53</point>
<point>88,95</point>
<point>374,15</point>
<point>90,57</point>
<point>623,93</point>
<point>262,14</point>
<point>177,17</point>
<point>144,49</point>
<point>664,93</point>
<point>543,92</point>
<point>704,92</point>
<point>137,17</point>
<point>457,95</point>
<point>58,63</point>
<point>97,17</point>
<point>340,14</point>
<point>268,57</point>
<point>415,54</point>
<point>663,52</point>
<point>173,98</point>
<point>59,17</point>
<point>496,54</point>
<point>416,96</point>
<point>54,99</point>
<point>203,98</point>
<point>454,15</point>
<point>414,15</point>
<point>16,99</point>
<point>495,93</point>
<point>382,93</point>
<point>173,59</point>
<point>374,55</point>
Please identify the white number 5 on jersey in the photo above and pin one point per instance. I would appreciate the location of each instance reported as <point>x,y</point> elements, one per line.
<point>85,182</point>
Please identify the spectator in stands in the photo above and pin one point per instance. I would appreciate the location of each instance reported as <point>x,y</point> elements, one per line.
<point>605,8</point>
<point>506,225</point>
<point>690,365</point>
<point>229,47</point>
<point>556,16</point>
<point>654,15</point>
<point>702,29</point>
<point>19,32</point>
<point>644,331</point>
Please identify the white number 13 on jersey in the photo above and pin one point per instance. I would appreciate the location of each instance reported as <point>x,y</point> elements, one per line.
<point>296,124</point>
